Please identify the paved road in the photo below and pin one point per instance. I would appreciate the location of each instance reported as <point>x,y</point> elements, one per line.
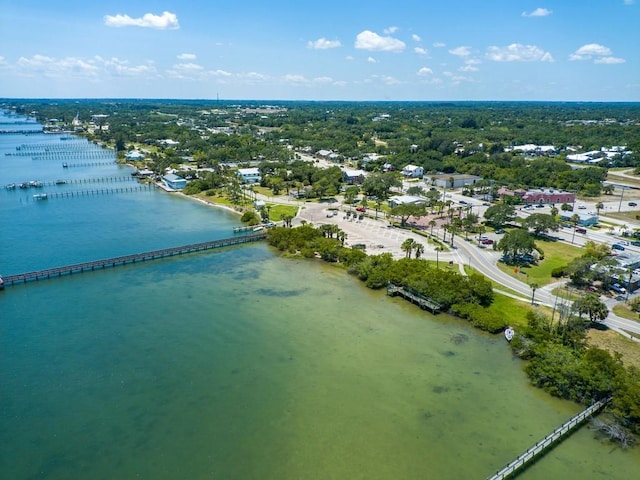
<point>379,238</point>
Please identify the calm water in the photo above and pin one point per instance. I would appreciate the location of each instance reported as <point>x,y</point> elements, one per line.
<point>238,364</point>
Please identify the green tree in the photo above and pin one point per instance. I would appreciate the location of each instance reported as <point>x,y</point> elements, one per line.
<point>565,207</point>
<point>407,247</point>
<point>541,223</point>
<point>406,210</point>
<point>575,219</point>
<point>500,214</point>
<point>591,306</point>
<point>515,243</point>
<point>599,206</point>
<point>350,195</point>
<point>418,249</point>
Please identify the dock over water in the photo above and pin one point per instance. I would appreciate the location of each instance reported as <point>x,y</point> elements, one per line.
<point>421,300</point>
<point>547,442</point>
<point>127,259</point>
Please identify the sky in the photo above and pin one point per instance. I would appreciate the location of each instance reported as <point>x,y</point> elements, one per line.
<point>421,50</point>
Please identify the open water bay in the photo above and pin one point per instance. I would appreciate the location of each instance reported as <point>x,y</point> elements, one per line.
<point>238,364</point>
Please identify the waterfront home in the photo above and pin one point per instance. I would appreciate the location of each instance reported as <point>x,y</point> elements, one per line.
<point>174,182</point>
<point>249,175</point>
<point>134,155</point>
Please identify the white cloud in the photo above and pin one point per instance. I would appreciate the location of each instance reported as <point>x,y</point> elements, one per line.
<point>50,67</point>
<point>371,60</point>
<point>439,44</point>
<point>538,12</point>
<point>516,52</point>
<point>121,68</point>
<point>424,71</point>
<point>348,57</point>
<point>323,44</point>
<point>421,51</point>
<point>468,68</point>
<point>415,38</point>
<point>220,73</point>
<point>609,60</point>
<point>629,2</point>
<point>596,52</point>
<point>368,40</point>
<point>390,30</point>
<point>389,80</point>
<point>460,51</point>
<point>186,56</point>
<point>167,20</point>
<point>295,79</point>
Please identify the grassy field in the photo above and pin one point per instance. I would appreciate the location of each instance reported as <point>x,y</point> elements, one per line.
<point>556,254</point>
<point>514,311</point>
<point>613,342</point>
<point>276,211</point>
<point>623,310</point>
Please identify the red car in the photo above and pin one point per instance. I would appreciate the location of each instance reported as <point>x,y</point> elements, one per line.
<point>361,209</point>
<point>486,241</point>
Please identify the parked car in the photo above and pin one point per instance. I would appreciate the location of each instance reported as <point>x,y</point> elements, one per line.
<point>486,241</point>
<point>582,207</point>
<point>361,209</point>
<point>581,230</point>
<point>499,231</point>
<point>616,287</point>
<point>635,243</point>
<point>617,246</point>
<point>632,204</point>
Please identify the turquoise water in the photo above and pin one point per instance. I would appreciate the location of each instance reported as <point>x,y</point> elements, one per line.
<point>237,364</point>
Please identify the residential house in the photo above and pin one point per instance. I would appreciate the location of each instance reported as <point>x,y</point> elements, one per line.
<point>173,181</point>
<point>413,171</point>
<point>353,177</point>
<point>249,175</point>
<point>396,200</point>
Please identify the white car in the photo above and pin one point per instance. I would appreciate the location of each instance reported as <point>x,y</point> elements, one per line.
<point>582,207</point>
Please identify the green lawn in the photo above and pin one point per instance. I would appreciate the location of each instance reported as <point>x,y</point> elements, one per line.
<point>623,310</point>
<point>556,254</point>
<point>512,310</point>
<point>277,210</point>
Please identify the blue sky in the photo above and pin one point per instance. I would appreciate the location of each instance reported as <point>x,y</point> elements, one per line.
<point>561,50</point>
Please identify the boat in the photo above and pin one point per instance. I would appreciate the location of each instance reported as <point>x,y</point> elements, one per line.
<point>60,182</point>
<point>10,186</point>
<point>40,196</point>
<point>509,333</point>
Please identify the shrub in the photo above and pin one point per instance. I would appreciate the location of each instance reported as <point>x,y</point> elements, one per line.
<point>559,272</point>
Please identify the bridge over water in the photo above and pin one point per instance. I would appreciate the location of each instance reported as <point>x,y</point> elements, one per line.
<point>127,259</point>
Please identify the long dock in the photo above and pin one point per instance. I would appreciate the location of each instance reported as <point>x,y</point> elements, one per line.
<point>547,442</point>
<point>127,259</point>
<point>414,297</point>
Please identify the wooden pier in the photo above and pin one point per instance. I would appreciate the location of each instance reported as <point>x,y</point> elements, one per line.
<point>541,447</point>
<point>127,259</point>
<point>102,191</point>
<point>422,301</point>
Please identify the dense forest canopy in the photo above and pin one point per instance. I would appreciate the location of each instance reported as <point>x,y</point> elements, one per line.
<point>441,137</point>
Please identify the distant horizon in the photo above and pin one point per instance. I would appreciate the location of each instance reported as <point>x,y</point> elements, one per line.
<point>276,100</point>
<point>415,51</point>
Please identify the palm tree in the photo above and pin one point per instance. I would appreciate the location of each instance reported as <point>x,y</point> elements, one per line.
<point>534,286</point>
<point>438,249</point>
<point>407,247</point>
<point>418,248</point>
<point>591,305</point>
<point>575,218</point>
<point>599,206</point>
<point>432,223</point>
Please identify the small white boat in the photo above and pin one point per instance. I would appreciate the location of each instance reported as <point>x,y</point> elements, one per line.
<point>509,333</point>
<point>40,196</point>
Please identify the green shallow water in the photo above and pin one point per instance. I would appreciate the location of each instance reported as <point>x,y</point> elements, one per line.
<point>241,365</point>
